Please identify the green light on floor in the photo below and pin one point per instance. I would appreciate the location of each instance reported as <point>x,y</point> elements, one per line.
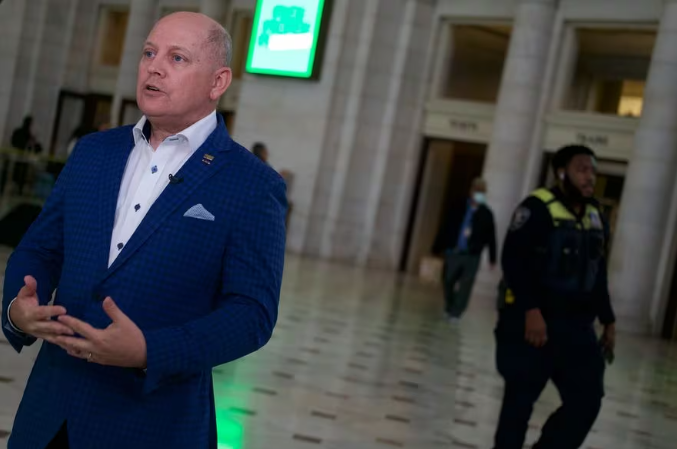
<point>230,432</point>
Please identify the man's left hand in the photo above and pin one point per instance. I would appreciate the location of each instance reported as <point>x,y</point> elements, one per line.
<point>120,344</point>
<point>609,337</point>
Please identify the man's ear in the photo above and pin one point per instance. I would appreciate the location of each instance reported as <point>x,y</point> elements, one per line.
<point>222,79</point>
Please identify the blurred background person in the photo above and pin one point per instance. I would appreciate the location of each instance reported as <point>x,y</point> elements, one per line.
<point>24,139</point>
<point>261,151</point>
<point>78,133</point>
<point>463,244</point>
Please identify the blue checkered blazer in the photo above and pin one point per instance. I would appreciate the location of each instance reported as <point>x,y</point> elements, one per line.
<point>203,292</point>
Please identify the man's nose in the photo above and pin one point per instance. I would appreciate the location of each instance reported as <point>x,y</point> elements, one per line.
<point>155,68</point>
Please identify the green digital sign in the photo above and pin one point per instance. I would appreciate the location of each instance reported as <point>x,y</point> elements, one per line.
<point>285,36</point>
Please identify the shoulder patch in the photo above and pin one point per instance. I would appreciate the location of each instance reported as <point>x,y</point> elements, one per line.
<point>519,219</point>
<point>595,220</point>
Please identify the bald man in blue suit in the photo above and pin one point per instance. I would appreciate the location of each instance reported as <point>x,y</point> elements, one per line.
<point>165,244</point>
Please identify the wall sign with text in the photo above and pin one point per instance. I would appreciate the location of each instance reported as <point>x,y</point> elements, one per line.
<point>609,142</point>
<point>286,37</point>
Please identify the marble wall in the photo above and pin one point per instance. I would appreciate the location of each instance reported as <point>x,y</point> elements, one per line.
<point>82,46</point>
<point>517,107</point>
<point>293,118</point>
<point>641,227</point>
<point>53,52</point>
<point>142,16</point>
<point>351,138</point>
<point>25,65</point>
<point>391,199</point>
<point>11,19</point>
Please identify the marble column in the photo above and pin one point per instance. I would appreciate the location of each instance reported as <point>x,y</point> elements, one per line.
<point>355,134</point>
<point>11,20</point>
<point>81,49</point>
<point>216,9</point>
<point>51,66</point>
<point>641,224</point>
<point>399,144</point>
<point>22,84</point>
<point>142,16</point>
<point>517,107</point>
<point>380,137</point>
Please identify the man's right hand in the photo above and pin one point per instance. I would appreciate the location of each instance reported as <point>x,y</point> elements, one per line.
<point>31,318</point>
<point>536,332</point>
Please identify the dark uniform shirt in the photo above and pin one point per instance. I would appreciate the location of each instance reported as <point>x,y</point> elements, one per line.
<point>482,234</point>
<point>523,261</point>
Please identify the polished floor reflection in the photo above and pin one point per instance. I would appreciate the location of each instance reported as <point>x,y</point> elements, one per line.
<point>361,360</point>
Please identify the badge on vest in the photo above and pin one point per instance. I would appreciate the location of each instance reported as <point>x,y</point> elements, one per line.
<point>521,216</point>
<point>595,220</point>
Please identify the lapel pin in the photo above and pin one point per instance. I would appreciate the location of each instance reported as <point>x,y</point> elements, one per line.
<point>207,159</point>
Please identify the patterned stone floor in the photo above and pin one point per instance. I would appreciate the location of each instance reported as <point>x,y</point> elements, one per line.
<point>363,360</point>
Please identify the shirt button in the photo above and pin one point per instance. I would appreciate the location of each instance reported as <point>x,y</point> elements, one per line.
<point>120,246</point>
<point>153,169</point>
<point>137,207</point>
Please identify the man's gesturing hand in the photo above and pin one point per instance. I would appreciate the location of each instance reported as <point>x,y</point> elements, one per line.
<point>33,319</point>
<point>120,344</point>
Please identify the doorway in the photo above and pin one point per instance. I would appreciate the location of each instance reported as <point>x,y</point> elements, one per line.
<point>446,171</point>
<point>74,110</point>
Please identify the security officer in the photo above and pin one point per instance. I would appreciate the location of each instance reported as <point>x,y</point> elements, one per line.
<point>554,287</point>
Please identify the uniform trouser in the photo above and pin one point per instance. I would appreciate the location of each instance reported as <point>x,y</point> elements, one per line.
<point>573,360</point>
<point>460,271</point>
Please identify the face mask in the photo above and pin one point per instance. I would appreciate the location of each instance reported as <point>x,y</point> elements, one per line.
<point>479,197</point>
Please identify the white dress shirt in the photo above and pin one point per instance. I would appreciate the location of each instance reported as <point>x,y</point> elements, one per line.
<point>146,176</point>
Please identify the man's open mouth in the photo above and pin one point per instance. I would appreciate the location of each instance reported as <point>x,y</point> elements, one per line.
<point>152,88</point>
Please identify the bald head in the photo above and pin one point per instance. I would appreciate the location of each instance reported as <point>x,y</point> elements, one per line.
<point>218,43</point>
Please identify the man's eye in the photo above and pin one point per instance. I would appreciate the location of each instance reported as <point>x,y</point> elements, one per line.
<point>177,58</point>
<point>148,54</point>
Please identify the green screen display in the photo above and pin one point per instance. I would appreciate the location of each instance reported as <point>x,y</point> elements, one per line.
<point>285,37</point>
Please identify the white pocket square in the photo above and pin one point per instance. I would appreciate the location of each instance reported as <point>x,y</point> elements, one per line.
<point>198,211</point>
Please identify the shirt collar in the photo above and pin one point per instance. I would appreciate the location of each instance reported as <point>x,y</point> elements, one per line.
<point>196,134</point>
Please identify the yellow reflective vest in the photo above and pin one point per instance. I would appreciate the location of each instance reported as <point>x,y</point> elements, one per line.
<point>574,251</point>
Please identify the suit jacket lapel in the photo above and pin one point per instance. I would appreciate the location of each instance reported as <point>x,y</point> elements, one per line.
<point>203,164</point>
<point>112,169</point>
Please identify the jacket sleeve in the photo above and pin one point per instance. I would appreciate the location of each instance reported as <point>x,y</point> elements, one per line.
<point>524,252</point>
<point>605,311</point>
<point>39,254</point>
<point>245,312</point>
